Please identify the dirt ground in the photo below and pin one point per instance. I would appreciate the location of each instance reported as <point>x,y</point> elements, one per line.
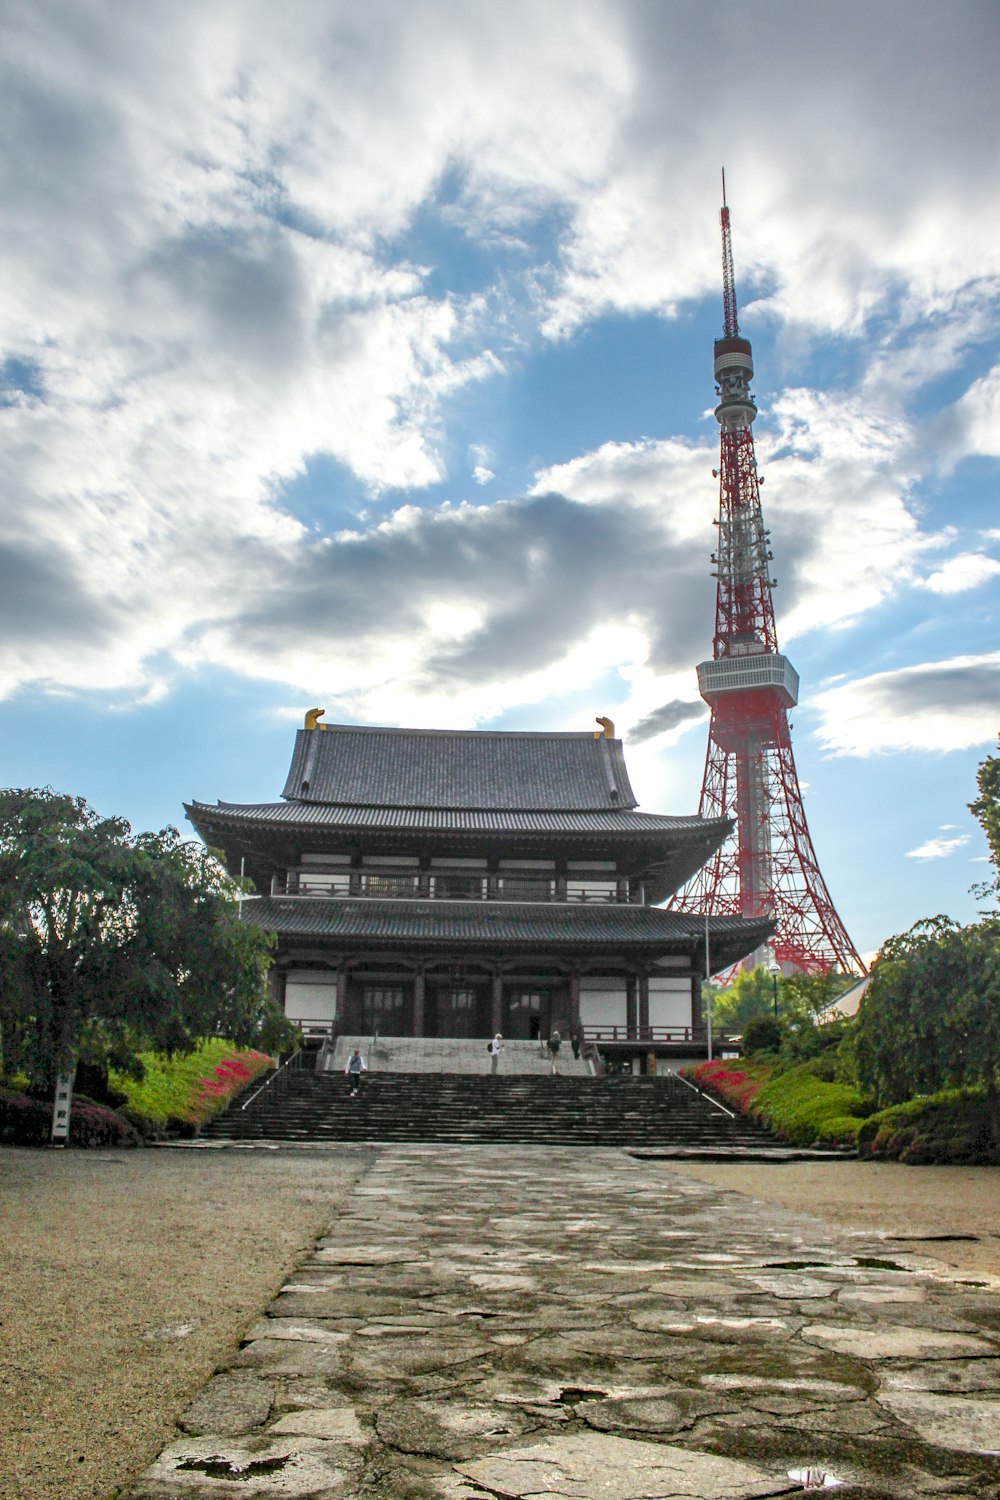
<point>125,1277</point>
<point>884,1197</point>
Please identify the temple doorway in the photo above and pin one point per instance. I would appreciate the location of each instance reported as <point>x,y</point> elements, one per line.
<point>458,1011</point>
<point>526,1011</point>
<point>384,1010</point>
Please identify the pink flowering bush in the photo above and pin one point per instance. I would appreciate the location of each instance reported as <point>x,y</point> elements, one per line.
<point>28,1122</point>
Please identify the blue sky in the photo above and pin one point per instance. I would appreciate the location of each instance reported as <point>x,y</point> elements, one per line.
<point>363,359</point>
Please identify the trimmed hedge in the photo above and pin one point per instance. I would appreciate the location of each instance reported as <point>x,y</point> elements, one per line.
<point>949,1127</point>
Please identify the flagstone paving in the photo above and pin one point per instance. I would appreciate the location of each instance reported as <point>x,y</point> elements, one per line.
<point>497,1325</point>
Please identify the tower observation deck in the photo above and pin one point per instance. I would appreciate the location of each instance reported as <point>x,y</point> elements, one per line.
<point>767,867</point>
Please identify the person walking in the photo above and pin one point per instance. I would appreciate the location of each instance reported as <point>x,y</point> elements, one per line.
<point>555,1042</point>
<point>495,1048</point>
<point>356,1065</point>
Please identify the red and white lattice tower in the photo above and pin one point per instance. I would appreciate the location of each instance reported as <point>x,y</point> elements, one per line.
<point>767,866</point>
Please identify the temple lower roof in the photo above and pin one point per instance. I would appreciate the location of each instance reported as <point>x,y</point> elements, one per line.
<point>509,924</point>
<point>452,820</point>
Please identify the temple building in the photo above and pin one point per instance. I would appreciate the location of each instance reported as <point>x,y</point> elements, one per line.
<point>448,883</point>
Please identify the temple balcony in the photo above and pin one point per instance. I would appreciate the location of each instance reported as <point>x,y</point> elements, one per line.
<point>430,886</point>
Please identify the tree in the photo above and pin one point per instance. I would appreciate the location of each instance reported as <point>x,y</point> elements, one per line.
<point>112,942</point>
<point>931,1015</point>
<point>986,808</point>
<point>758,992</point>
<point>750,994</point>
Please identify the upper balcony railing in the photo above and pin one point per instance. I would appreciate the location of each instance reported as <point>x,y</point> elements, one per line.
<point>438,885</point>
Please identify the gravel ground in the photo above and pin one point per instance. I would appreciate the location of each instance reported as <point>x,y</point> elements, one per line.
<point>125,1277</point>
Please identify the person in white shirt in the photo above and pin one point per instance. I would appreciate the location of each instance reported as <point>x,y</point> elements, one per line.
<point>356,1065</point>
<point>495,1048</point>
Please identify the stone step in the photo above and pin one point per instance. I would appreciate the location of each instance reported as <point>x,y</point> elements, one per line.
<point>647,1112</point>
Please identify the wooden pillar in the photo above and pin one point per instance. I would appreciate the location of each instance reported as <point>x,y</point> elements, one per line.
<point>697,1015</point>
<point>340,1020</point>
<point>574,1003</point>
<point>643,1002</point>
<point>496,1003</point>
<point>631,1015</point>
<point>419,991</point>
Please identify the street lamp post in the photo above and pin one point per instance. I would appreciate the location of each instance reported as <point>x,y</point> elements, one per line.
<point>774,969</point>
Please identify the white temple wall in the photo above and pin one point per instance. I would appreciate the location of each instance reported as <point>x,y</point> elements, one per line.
<point>311,995</point>
<point>602,1000</point>
<point>669,1001</point>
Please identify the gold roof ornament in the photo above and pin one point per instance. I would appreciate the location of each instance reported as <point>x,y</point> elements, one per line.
<point>609,728</point>
<point>313,716</point>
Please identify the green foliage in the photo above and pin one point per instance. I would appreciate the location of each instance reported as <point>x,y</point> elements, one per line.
<point>797,998</point>
<point>987,809</point>
<point>751,994</point>
<point>190,1088</point>
<point>761,1034</point>
<point>111,943</point>
<point>931,1016</point>
<point>806,1104</point>
<point>951,1126</point>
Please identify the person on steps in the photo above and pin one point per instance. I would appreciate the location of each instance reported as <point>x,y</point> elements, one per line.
<point>495,1049</point>
<point>356,1065</point>
<point>555,1043</point>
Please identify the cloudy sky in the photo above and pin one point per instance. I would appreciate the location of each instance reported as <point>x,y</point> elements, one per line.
<point>361,357</point>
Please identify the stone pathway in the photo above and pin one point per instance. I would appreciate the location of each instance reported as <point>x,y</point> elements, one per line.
<point>562,1325</point>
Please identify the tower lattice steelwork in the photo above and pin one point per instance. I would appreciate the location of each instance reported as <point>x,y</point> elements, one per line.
<point>767,866</point>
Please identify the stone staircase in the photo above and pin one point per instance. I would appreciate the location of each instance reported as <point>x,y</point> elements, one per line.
<point>660,1113</point>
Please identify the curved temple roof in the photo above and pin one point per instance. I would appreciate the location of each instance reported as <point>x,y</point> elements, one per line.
<point>445,768</point>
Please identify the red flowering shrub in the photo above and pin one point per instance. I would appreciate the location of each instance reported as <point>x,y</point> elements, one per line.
<point>735,1084</point>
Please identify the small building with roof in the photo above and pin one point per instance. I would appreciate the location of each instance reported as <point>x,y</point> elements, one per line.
<point>449,883</point>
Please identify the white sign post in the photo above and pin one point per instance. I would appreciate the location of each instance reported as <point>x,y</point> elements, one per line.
<point>60,1109</point>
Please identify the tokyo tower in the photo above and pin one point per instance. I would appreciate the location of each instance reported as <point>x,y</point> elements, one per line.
<point>767,866</point>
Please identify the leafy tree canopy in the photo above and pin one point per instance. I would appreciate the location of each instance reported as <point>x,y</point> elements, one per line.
<point>800,997</point>
<point>986,808</point>
<point>112,941</point>
<point>931,1014</point>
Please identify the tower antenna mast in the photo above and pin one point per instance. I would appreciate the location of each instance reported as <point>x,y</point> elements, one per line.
<point>767,866</point>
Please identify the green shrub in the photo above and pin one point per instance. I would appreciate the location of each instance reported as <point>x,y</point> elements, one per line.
<point>949,1127</point>
<point>184,1091</point>
<point>805,1104</point>
<point>761,1034</point>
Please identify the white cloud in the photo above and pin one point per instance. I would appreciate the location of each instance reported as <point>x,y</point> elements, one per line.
<point>938,848</point>
<point>936,706</point>
<point>969,570</point>
<point>201,267</point>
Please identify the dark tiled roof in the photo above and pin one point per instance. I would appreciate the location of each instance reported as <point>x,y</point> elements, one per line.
<point>442,768</point>
<point>292,815</point>
<point>505,923</point>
